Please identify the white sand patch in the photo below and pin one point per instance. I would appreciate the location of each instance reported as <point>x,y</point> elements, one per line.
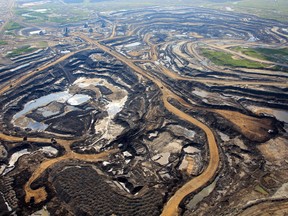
<point>133,44</point>
<point>41,212</point>
<point>78,99</point>
<point>162,158</point>
<point>224,137</point>
<point>106,126</point>
<point>14,157</point>
<point>40,10</point>
<point>174,146</point>
<point>282,191</point>
<point>116,106</point>
<point>229,9</point>
<point>191,150</point>
<point>49,150</point>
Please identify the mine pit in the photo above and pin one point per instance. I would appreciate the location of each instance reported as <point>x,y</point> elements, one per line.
<point>155,111</point>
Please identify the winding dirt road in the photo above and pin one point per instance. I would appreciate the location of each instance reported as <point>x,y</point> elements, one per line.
<point>245,56</point>
<point>153,52</point>
<point>175,76</point>
<point>171,208</point>
<point>10,6</point>
<point>40,194</point>
<point>19,80</point>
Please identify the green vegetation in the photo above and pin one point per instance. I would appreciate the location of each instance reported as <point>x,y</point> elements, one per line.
<point>55,13</point>
<point>270,9</point>
<point>42,44</point>
<point>12,26</point>
<point>3,43</point>
<point>274,55</point>
<point>226,59</point>
<point>250,52</point>
<point>79,11</point>
<point>266,51</point>
<point>32,16</point>
<point>277,10</point>
<point>10,33</point>
<point>20,51</point>
<point>261,190</point>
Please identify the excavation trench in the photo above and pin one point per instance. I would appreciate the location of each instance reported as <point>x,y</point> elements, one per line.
<point>171,207</point>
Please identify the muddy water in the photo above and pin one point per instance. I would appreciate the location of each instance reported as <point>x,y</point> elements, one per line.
<point>42,101</point>
<point>171,208</point>
<point>20,120</point>
<point>202,194</point>
<point>281,115</point>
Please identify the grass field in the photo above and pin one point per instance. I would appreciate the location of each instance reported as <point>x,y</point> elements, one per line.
<point>261,190</point>
<point>275,55</point>
<point>269,9</point>
<point>250,52</point>
<point>12,26</point>
<point>3,43</point>
<point>226,59</point>
<point>42,44</point>
<point>55,13</point>
<point>20,51</point>
<point>74,12</point>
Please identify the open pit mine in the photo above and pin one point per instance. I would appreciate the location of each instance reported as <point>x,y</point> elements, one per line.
<point>134,114</point>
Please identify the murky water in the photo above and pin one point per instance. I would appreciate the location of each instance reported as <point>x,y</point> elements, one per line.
<point>281,115</point>
<point>42,101</point>
<point>49,113</point>
<point>37,126</point>
<point>180,131</point>
<point>20,120</point>
<point>202,194</point>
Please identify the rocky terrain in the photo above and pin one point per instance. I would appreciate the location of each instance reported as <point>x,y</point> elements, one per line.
<point>141,117</point>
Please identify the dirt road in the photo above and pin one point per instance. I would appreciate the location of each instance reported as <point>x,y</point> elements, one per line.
<point>10,6</point>
<point>171,208</point>
<point>40,194</point>
<point>19,80</point>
